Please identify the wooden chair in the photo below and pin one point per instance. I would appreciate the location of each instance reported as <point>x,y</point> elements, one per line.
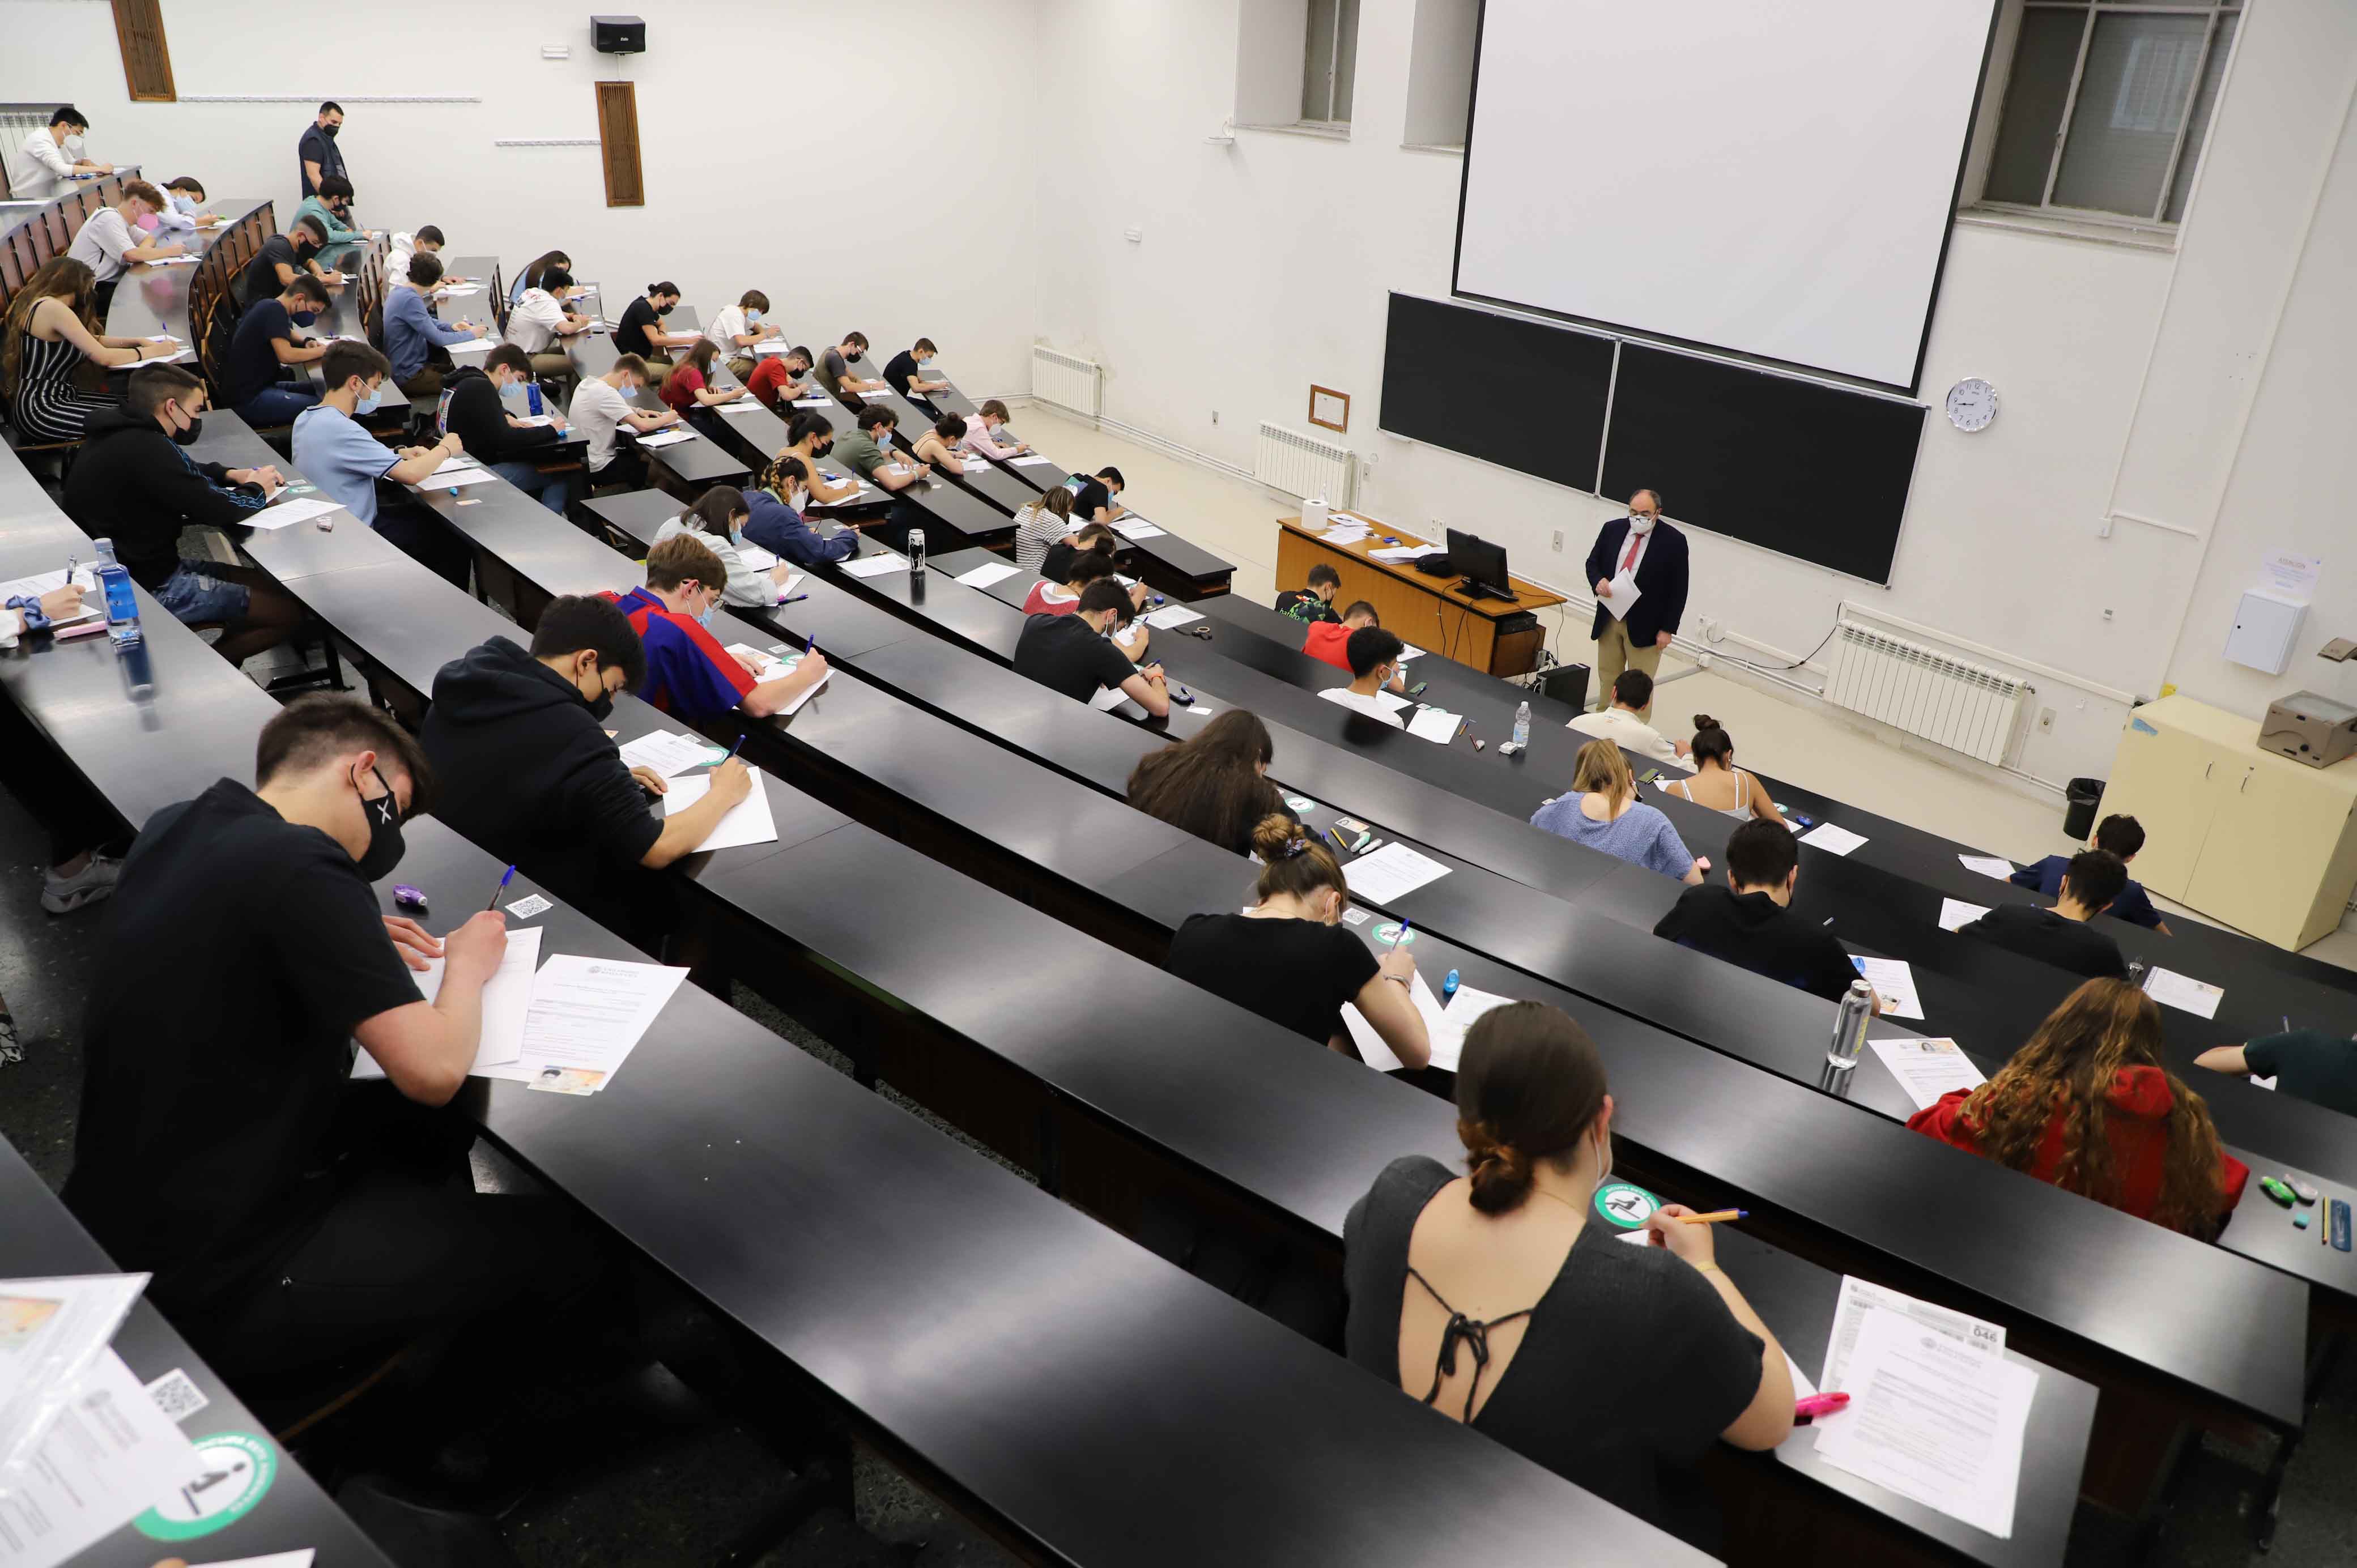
<point>56,232</point>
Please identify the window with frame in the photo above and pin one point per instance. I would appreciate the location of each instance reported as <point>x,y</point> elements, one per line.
<point>2106,107</point>
<point>1329,62</point>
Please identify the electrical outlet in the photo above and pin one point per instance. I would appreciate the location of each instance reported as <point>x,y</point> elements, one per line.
<point>1558,541</point>
<point>2045,721</point>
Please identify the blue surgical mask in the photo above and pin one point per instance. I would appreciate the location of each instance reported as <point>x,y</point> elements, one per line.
<point>752,319</point>
<point>368,400</point>
<point>705,619</point>
<point>184,205</point>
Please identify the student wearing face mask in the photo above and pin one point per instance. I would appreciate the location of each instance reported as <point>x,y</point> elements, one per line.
<point>475,409</point>
<point>413,338</point>
<point>689,675</point>
<point>335,453</point>
<point>774,518</point>
<point>736,327</point>
<point>137,484</point>
<point>281,258</point>
<point>811,436</point>
<point>601,408</point>
<point>640,330</point>
<point>688,390</point>
<point>292,1218</point>
<point>331,208</point>
<point>1652,555</point>
<point>779,378</point>
<point>1291,959</point>
<point>184,210</point>
<point>262,379</point>
<point>53,152</point>
<point>541,322</point>
<point>1374,655</point>
<point>717,518</point>
<point>519,752</point>
<point>905,373</point>
<point>836,374</point>
<point>1072,652</point>
<point>982,428</point>
<point>111,242</point>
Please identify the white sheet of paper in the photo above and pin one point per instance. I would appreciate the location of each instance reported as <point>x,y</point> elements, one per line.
<point>1988,866</point>
<point>505,996</point>
<point>742,405</point>
<point>876,565</point>
<point>790,709</point>
<point>759,559</point>
<point>1398,553</point>
<point>1198,709</point>
<point>1955,914</point>
<point>2182,991</point>
<point>1927,1069</point>
<point>1032,461</point>
<point>41,583</point>
<point>1861,1297</point>
<point>1392,872</point>
<point>1435,724</point>
<point>666,437</point>
<point>448,477</point>
<point>1410,651</point>
<point>1934,1420</point>
<point>813,402</point>
<point>1143,531</point>
<point>1170,616</point>
<point>1127,636</point>
<point>107,1457</point>
<point>983,576</point>
<point>1623,598</point>
<point>1108,698</point>
<point>748,821</point>
<point>669,753</point>
<point>589,1013</point>
<point>1447,1025</point>
<point>1372,1049</point>
<point>57,1327</point>
<point>1833,840</point>
<point>1894,982</point>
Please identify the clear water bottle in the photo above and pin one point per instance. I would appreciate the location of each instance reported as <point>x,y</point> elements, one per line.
<point>122,603</point>
<point>916,553</point>
<point>1522,726</point>
<point>1849,1026</point>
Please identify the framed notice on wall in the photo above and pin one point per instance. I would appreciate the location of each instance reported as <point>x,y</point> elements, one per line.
<point>1330,408</point>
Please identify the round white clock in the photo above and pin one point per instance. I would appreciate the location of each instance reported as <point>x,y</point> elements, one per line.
<point>1972,404</point>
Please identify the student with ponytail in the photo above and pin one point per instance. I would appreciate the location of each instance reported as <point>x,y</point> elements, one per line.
<point>640,330</point>
<point>774,516</point>
<point>717,518</point>
<point>1291,959</point>
<point>811,436</point>
<point>1603,812</point>
<point>1718,783</point>
<point>1613,1366</point>
<point>688,392</point>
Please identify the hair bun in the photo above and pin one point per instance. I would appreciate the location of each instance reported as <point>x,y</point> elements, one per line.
<point>1501,1173</point>
<point>1273,836</point>
<point>1704,721</point>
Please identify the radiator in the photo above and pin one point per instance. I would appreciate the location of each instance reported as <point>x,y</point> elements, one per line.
<point>1065,381</point>
<point>1925,690</point>
<point>1303,465</point>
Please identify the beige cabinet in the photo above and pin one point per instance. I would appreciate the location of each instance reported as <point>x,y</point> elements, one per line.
<point>2263,844</point>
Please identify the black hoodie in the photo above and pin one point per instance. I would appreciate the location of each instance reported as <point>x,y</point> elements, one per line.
<point>1762,935</point>
<point>137,486</point>
<point>522,767</point>
<point>475,414</point>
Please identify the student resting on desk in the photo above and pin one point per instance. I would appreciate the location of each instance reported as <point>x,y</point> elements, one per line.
<point>183,211</point>
<point>904,372</point>
<point>1603,812</point>
<point>345,461</point>
<point>2120,835</point>
<point>475,409</point>
<point>601,407</point>
<point>261,376</point>
<point>1074,653</point>
<point>1057,564</point>
<point>1039,524</point>
<point>1720,785</point>
<point>53,328</point>
<point>283,256</point>
<point>640,332</point>
<point>718,517</point>
<point>774,518</point>
<point>689,675</point>
<point>2061,936</point>
<point>779,378</point>
<point>411,336</point>
<point>1093,496</point>
<point>1374,663</point>
<point>736,327</point>
<point>539,321</point>
<point>2313,1065</point>
<point>1749,922</point>
<point>2088,1105</point>
<point>136,483</point>
<point>1510,1263</point>
<point>982,428</point>
<point>1632,693</point>
<point>1330,642</point>
<point>836,374</point>
<point>1214,784</point>
<point>1314,604</point>
<point>292,1218</point>
<point>527,772</point>
<point>1291,959</point>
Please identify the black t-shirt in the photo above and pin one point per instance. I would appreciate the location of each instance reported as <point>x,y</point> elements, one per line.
<point>261,281</point>
<point>245,949</point>
<point>2308,1064</point>
<point>1581,1395</point>
<point>1091,494</point>
<point>638,319</point>
<point>1056,566</point>
<point>1753,930</point>
<point>900,370</point>
<point>1066,654</point>
<point>1294,972</point>
<point>316,147</point>
<point>253,363</point>
<point>2041,934</point>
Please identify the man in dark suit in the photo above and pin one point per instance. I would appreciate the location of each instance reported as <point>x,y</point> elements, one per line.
<point>1644,547</point>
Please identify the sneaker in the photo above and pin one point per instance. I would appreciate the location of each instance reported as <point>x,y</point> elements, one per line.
<point>91,884</point>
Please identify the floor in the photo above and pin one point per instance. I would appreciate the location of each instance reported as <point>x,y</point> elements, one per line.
<point>681,1490</point>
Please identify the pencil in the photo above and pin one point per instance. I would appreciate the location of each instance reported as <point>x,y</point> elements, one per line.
<point>1714,1217</point>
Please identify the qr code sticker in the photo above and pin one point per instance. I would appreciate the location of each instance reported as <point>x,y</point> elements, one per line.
<point>176,1395</point>
<point>1355,917</point>
<point>532,903</point>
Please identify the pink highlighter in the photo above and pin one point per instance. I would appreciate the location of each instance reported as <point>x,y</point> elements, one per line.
<point>1808,1409</point>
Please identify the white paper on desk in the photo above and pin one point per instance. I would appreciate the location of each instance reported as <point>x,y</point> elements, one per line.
<point>173,358</point>
<point>55,1330</point>
<point>1447,1025</point>
<point>1859,1299</point>
<point>666,437</point>
<point>787,667</point>
<point>1410,651</point>
<point>589,1013</point>
<point>811,401</point>
<point>1833,840</point>
<point>1929,1068</point>
<point>1143,531</point>
<point>2182,991</point>
<point>1170,616</point>
<point>1391,873</point>
<point>1955,914</point>
<point>875,566</point>
<point>1988,866</point>
<point>1391,702</point>
<point>1126,638</point>
<point>1932,1420</point>
<point>505,996</point>
<point>1437,725</point>
<point>1108,698</point>
<point>984,575</point>
<point>1372,1049</point>
<point>1623,598</point>
<point>1398,553</point>
<point>534,419</point>
<point>753,555</point>
<point>1031,462</point>
<point>1199,709</point>
<point>748,821</point>
<point>173,262</point>
<point>670,755</point>
<point>39,583</point>
<point>451,478</point>
<point>107,1458</point>
<point>1894,982</point>
<point>741,406</point>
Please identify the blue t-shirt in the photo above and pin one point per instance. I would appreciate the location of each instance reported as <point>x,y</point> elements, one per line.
<point>689,673</point>
<point>2131,906</point>
<point>342,459</point>
<point>1639,835</point>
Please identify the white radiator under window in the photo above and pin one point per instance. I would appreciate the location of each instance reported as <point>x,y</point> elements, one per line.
<point>1925,690</point>
<point>1303,465</point>
<point>1065,381</point>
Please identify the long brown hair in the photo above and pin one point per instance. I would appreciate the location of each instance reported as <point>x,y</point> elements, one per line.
<point>699,358</point>
<point>63,278</point>
<point>2070,1065</point>
<point>1602,770</point>
<point>1209,784</point>
<point>1529,1085</point>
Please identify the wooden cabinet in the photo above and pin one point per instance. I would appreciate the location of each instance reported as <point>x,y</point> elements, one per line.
<point>2263,844</point>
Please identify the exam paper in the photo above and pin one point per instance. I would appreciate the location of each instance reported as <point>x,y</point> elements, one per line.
<point>1391,873</point>
<point>109,1456</point>
<point>449,479</point>
<point>588,1014</point>
<point>1435,724</point>
<point>875,566</point>
<point>1108,698</point>
<point>1141,531</point>
<point>1623,598</point>
<point>1172,615</point>
<point>759,559</point>
<point>666,437</point>
<point>2182,991</point>
<point>742,407</point>
<point>1447,1025</point>
<point>1833,840</point>
<point>1197,709</point>
<point>1927,1069</point>
<point>770,667</point>
<point>52,1331</point>
<point>1409,650</point>
<point>1894,982</point>
<point>1988,866</point>
<point>39,583</point>
<point>1372,1049</point>
<point>505,996</point>
<point>1034,461</point>
<point>748,821</point>
<point>983,576</point>
<point>1127,636</point>
<point>1932,1420</point>
<point>1859,1299</point>
<point>1398,553</point>
<point>1955,914</point>
<point>668,754</point>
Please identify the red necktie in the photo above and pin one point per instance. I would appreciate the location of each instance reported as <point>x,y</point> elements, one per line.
<point>1636,540</point>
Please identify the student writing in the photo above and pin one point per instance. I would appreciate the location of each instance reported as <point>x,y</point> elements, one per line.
<point>1330,642</point>
<point>1632,693</point>
<point>1374,655</point>
<point>1314,603</point>
<point>1603,812</point>
<point>2115,834</point>
<point>1751,922</point>
<point>601,408</point>
<point>689,673</point>
<point>2061,936</point>
<point>982,428</point>
<point>1073,653</point>
<point>476,410</point>
<point>261,377</point>
<point>1720,785</point>
<point>774,518</point>
<point>718,519</point>
<point>53,328</point>
<point>1214,784</point>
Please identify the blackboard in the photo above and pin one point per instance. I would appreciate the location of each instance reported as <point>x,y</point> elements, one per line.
<point>1500,388</point>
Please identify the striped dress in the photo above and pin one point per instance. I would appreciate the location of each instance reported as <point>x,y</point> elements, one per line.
<point>49,407</point>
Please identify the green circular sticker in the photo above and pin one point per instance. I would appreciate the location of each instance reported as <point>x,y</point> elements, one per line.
<point>235,1469</point>
<point>1388,933</point>
<point>1625,1205</point>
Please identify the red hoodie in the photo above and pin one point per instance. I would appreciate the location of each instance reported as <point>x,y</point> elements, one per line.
<point>1330,641</point>
<point>2140,1101</point>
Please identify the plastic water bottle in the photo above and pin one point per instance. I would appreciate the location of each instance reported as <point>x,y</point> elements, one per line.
<point>1849,1026</point>
<point>122,603</point>
<point>532,396</point>
<point>916,553</point>
<point>1522,726</point>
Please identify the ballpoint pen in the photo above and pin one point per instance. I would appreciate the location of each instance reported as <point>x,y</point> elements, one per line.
<point>505,877</point>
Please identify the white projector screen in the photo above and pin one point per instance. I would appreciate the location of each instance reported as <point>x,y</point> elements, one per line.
<point>1770,176</point>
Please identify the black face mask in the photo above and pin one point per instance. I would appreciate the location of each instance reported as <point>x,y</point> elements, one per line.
<point>331,130</point>
<point>664,309</point>
<point>188,438</point>
<point>385,847</point>
<point>305,248</point>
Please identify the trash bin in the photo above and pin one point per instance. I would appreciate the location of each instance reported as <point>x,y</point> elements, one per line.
<point>2084,796</point>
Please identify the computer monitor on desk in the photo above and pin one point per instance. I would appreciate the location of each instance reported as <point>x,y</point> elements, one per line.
<point>1483,565</point>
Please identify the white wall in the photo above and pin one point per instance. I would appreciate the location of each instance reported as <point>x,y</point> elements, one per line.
<point>752,181</point>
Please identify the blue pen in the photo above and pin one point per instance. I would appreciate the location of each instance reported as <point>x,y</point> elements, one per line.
<point>735,749</point>
<point>798,598</point>
<point>1404,927</point>
<point>505,877</point>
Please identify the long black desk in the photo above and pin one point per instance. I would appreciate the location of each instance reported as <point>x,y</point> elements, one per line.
<point>694,463</point>
<point>1034,475</point>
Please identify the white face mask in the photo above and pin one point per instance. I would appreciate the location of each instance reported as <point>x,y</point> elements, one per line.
<point>1640,525</point>
<point>799,500</point>
<point>74,144</point>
